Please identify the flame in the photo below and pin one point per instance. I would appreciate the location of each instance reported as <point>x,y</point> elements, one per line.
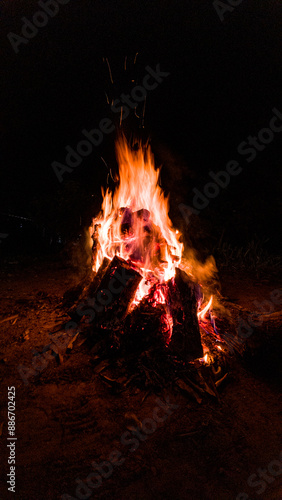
<point>206,358</point>
<point>201,314</point>
<point>134,223</point>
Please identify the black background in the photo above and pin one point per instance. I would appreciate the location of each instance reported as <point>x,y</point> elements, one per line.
<point>225,78</point>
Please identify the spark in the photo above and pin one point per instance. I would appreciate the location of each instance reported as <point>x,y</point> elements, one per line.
<point>109,70</point>
<point>109,168</point>
<point>105,163</point>
<point>144,108</point>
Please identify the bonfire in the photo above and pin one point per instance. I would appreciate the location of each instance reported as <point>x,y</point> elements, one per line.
<point>142,297</point>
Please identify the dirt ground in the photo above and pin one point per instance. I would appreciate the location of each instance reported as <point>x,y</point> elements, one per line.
<point>67,417</point>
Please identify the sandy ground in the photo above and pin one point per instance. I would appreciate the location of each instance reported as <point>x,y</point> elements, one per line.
<point>67,417</point>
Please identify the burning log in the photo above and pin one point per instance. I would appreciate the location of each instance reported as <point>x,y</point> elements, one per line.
<point>140,238</point>
<point>167,316</point>
<point>109,297</point>
<point>146,326</point>
<point>186,339</point>
<point>114,294</point>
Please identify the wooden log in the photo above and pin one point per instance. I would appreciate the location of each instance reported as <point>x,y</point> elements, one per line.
<point>146,325</point>
<point>94,285</point>
<point>115,293</point>
<point>186,339</point>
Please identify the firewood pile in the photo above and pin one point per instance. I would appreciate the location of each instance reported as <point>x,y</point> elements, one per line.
<point>153,344</point>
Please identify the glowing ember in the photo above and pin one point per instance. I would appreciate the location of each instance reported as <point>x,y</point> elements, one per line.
<point>206,359</point>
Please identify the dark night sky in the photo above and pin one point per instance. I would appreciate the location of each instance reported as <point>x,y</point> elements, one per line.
<point>225,78</point>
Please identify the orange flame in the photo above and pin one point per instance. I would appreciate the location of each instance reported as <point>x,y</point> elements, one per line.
<point>201,314</point>
<point>134,223</point>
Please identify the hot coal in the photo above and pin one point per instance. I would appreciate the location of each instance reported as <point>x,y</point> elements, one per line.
<point>165,318</point>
